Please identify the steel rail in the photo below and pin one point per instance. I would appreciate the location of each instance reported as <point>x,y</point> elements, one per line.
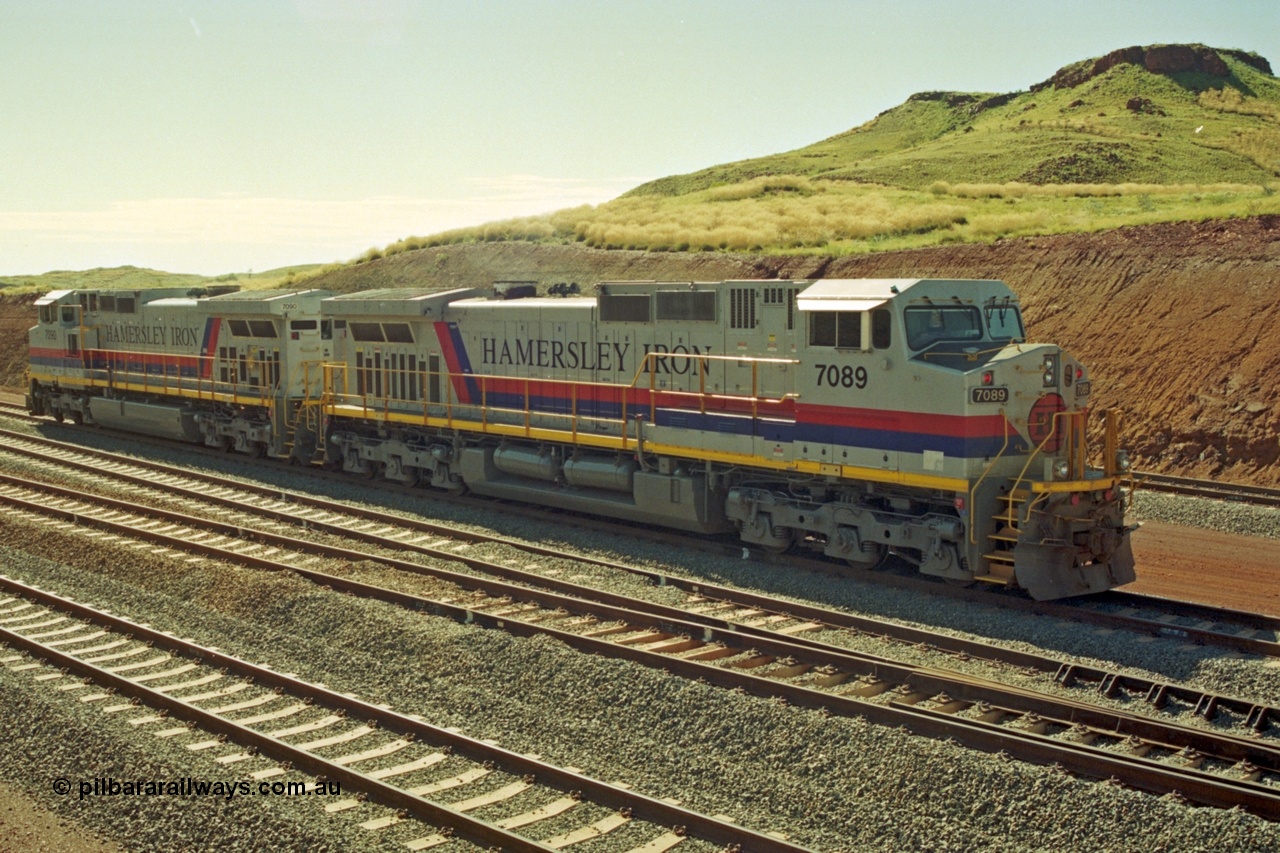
<point>1156,693</point>
<point>1082,611</point>
<point>625,608</point>
<point>466,826</point>
<point>1241,492</point>
<point>640,806</point>
<point>1138,772</point>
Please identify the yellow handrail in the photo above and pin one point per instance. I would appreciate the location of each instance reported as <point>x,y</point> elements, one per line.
<point>973,539</point>
<point>169,379</point>
<point>384,403</point>
<point>1039,447</point>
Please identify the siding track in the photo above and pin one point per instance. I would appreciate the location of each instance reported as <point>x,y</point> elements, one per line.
<point>1209,766</point>
<point>205,689</point>
<point>1183,621</point>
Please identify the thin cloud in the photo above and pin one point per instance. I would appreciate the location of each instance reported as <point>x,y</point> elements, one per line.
<point>540,187</point>
<point>254,230</point>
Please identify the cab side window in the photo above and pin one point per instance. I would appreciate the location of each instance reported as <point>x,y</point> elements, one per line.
<point>881,328</point>
<point>839,329</point>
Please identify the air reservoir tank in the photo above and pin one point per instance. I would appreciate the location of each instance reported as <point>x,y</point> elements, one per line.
<point>601,472</point>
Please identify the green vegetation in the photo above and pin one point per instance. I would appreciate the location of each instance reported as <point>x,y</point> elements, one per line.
<point>847,218</point>
<point>135,278</point>
<point>1127,125</point>
<point>1122,147</point>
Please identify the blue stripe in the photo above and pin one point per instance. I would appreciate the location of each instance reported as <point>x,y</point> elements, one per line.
<point>464,363</point>
<point>54,361</point>
<point>964,447</point>
<point>783,431</point>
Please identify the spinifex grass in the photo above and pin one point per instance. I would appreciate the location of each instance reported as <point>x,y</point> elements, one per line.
<point>1126,147</point>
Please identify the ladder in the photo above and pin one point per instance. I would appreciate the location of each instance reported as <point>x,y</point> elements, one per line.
<point>1003,538</point>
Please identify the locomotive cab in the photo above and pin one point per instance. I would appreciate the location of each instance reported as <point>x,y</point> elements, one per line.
<point>1039,516</point>
<point>968,442</point>
<point>54,349</point>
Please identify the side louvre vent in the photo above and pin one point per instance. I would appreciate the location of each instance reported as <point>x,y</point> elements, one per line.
<point>686,305</point>
<point>629,308</point>
<point>783,296</point>
<point>742,308</point>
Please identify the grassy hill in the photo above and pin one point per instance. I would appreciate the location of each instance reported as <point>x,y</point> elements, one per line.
<point>134,278</point>
<point>1124,124</point>
<point>1142,135</point>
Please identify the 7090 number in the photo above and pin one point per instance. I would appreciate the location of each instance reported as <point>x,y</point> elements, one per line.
<point>842,376</point>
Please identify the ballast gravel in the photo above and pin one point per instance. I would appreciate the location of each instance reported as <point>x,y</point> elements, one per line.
<point>831,783</point>
<point>1207,514</point>
<point>46,735</point>
<point>869,776</point>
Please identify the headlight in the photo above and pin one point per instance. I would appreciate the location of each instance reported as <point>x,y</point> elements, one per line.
<point>1060,469</point>
<point>1050,370</point>
<point>1122,460</point>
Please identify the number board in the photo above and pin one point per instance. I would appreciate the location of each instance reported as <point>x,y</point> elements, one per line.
<point>989,395</point>
<point>1083,389</point>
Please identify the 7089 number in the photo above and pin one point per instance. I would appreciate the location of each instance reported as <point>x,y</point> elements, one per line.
<point>842,376</point>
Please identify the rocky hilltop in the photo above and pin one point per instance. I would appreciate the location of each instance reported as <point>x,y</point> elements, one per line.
<point>1165,59</point>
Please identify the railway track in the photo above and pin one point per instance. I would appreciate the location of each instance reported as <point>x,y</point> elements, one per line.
<point>1226,766</point>
<point>1203,624</point>
<point>1246,632</point>
<point>1259,495</point>
<point>271,725</point>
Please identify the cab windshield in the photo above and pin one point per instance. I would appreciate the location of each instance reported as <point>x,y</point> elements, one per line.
<point>1004,320</point>
<point>926,325</point>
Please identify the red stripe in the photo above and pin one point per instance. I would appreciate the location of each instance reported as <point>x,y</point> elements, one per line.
<point>144,358</point>
<point>451,361</point>
<point>958,426</point>
<point>206,366</point>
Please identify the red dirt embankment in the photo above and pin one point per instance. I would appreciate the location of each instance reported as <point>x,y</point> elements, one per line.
<point>1179,323</point>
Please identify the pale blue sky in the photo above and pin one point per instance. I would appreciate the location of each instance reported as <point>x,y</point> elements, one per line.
<point>247,134</point>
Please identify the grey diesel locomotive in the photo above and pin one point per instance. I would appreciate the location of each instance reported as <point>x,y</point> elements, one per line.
<point>857,418</point>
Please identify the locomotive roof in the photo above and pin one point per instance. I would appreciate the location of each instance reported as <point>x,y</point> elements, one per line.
<point>863,294</point>
<point>393,293</point>
<point>260,295</point>
<point>412,302</point>
<point>260,301</point>
<point>850,294</point>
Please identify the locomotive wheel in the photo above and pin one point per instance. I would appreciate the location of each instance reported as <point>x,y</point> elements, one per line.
<point>794,538</point>
<point>57,416</point>
<point>867,562</point>
<point>77,417</point>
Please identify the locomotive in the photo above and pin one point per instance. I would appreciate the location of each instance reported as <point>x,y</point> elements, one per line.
<point>856,418</point>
